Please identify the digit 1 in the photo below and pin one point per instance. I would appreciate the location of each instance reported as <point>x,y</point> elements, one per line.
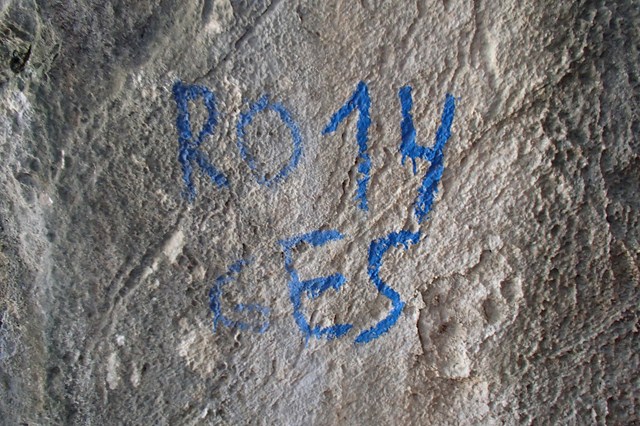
<point>359,100</point>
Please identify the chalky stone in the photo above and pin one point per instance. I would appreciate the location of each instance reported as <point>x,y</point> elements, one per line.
<point>337,212</point>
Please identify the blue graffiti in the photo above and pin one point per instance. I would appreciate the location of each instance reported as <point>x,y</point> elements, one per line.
<point>377,250</point>
<point>215,295</point>
<point>247,117</point>
<point>314,287</point>
<point>188,148</point>
<point>255,317</point>
<point>434,155</point>
<point>360,100</point>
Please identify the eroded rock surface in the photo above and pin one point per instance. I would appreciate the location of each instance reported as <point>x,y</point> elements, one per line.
<point>146,279</point>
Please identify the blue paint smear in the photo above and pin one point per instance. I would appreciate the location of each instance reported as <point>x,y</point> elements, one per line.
<point>314,287</point>
<point>247,117</point>
<point>377,250</point>
<point>435,156</point>
<point>188,152</point>
<point>317,286</point>
<point>215,295</point>
<point>359,99</point>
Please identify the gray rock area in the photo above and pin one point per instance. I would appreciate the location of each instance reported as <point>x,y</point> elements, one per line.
<point>184,238</point>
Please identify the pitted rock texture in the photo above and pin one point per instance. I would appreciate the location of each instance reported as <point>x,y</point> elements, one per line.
<point>521,294</point>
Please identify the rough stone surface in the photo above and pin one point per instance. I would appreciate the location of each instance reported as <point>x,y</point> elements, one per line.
<point>521,298</point>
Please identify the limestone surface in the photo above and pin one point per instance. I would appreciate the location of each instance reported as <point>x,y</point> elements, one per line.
<point>319,212</point>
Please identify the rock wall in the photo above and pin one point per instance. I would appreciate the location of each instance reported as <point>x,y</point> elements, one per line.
<point>337,212</point>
